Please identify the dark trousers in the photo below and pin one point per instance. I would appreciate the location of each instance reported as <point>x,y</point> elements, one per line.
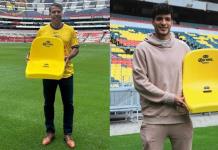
<point>49,90</point>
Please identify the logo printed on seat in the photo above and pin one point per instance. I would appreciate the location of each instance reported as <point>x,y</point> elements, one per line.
<point>47,44</point>
<point>205,59</point>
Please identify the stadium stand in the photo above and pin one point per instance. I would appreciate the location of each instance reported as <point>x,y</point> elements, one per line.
<point>89,18</point>
<point>125,35</point>
<point>131,24</point>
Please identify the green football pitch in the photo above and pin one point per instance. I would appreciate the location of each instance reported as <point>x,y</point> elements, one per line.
<point>21,101</point>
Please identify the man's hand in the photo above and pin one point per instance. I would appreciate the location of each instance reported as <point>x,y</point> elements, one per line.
<point>27,57</point>
<point>66,59</point>
<point>72,54</point>
<point>180,101</point>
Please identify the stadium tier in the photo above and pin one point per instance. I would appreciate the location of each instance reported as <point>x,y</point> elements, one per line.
<point>82,14</point>
<point>40,8</point>
<point>28,35</point>
<point>128,36</point>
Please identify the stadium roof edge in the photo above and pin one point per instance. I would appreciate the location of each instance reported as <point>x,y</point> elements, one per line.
<point>200,5</point>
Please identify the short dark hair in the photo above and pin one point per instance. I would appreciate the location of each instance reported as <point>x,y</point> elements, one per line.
<point>56,5</point>
<point>162,9</point>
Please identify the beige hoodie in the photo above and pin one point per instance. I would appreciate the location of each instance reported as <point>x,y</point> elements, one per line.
<point>157,76</point>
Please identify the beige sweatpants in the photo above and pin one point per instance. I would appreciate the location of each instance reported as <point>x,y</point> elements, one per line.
<point>180,136</point>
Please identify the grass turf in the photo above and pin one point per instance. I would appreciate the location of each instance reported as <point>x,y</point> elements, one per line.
<point>21,101</point>
<point>204,139</point>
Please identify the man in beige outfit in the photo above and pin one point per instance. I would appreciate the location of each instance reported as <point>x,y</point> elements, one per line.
<point>157,76</point>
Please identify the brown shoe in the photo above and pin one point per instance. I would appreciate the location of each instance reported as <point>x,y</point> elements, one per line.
<point>48,138</point>
<point>69,141</point>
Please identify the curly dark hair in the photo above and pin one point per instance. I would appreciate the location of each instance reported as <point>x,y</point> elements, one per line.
<point>162,9</point>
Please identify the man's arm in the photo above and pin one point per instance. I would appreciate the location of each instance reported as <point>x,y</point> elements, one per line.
<point>74,51</point>
<point>27,56</point>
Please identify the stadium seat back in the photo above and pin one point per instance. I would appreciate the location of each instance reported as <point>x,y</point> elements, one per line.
<point>200,80</point>
<point>46,58</point>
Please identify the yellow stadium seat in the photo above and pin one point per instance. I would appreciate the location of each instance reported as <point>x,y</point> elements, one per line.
<point>46,59</point>
<point>200,80</point>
